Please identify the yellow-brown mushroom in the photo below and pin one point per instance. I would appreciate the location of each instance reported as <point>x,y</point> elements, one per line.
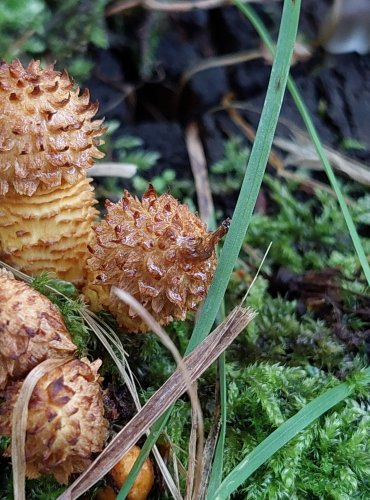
<point>66,423</point>
<point>48,139</point>
<point>155,249</point>
<point>144,480</point>
<point>32,329</point>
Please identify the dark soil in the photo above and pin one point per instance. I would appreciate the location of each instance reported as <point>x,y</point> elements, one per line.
<point>138,81</point>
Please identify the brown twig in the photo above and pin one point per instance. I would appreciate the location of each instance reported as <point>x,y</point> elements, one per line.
<point>198,164</point>
<point>215,62</point>
<point>211,443</point>
<point>274,159</point>
<point>276,162</point>
<point>192,485</point>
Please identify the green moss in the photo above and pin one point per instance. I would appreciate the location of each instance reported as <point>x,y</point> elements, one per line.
<point>330,459</point>
<point>6,483</point>
<point>4,442</point>
<point>278,334</point>
<point>65,296</point>
<point>62,30</point>
<point>304,233</point>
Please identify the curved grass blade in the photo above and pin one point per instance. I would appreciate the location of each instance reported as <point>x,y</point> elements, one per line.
<point>245,205</point>
<point>302,108</point>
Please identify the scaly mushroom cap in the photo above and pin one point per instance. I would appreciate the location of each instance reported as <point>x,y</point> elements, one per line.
<point>47,136</point>
<point>31,329</point>
<point>66,423</point>
<point>155,249</point>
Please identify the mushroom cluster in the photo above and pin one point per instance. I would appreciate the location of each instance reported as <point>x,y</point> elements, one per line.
<point>154,248</point>
<point>48,139</point>
<point>66,423</point>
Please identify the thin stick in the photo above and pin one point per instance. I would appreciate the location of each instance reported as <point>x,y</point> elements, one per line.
<point>192,461</point>
<point>175,6</point>
<point>113,169</point>
<point>20,420</point>
<point>199,169</point>
<point>215,62</point>
<point>249,132</point>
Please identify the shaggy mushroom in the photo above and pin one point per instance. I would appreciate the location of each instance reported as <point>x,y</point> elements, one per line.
<point>31,329</point>
<point>66,423</point>
<point>48,139</point>
<point>155,249</point>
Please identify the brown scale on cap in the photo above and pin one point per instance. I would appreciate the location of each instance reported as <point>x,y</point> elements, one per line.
<point>31,329</point>
<point>48,140</point>
<point>47,135</point>
<point>155,249</point>
<point>65,424</point>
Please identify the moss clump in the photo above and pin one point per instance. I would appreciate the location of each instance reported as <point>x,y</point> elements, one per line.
<point>307,232</point>
<point>329,459</point>
<point>38,28</point>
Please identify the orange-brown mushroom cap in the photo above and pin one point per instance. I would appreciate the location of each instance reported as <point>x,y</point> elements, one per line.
<point>32,329</point>
<point>47,135</point>
<point>155,249</point>
<point>65,424</point>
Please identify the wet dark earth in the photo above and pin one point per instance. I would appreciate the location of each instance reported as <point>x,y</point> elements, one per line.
<point>150,81</point>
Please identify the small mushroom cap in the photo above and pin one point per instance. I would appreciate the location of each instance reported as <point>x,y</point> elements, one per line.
<point>144,480</point>
<point>156,250</point>
<point>106,493</point>
<point>47,133</point>
<point>31,329</point>
<point>66,423</point>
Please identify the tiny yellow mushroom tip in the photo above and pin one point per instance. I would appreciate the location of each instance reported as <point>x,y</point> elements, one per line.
<point>144,480</point>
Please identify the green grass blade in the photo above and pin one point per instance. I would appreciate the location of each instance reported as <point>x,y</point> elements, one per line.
<point>302,108</point>
<point>246,201</point>
<point>255,171</point>
<point>283,435</point>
